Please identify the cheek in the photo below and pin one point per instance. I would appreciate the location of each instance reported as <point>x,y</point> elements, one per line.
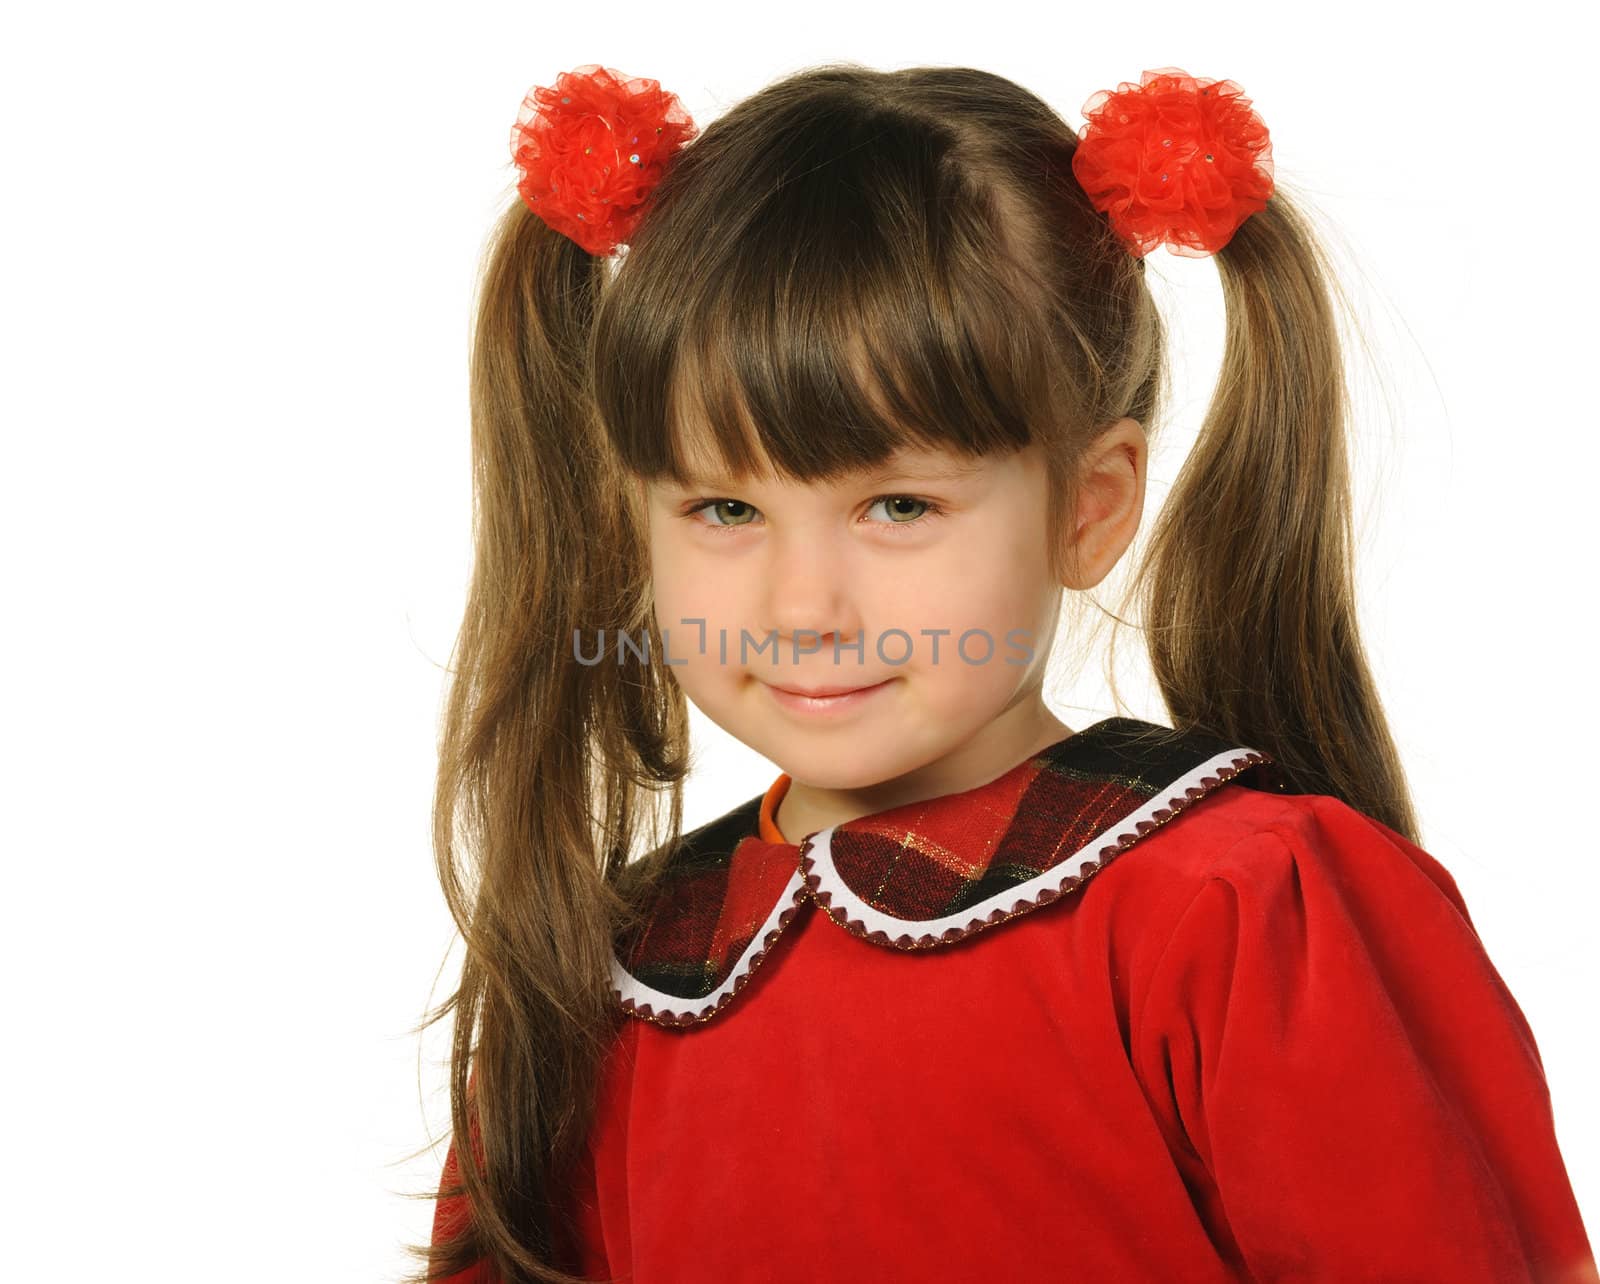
<point>688,581</point>
<point>694,608</point>
<point>994,577</point>
<point>671,571</point>
<point>668,579</point>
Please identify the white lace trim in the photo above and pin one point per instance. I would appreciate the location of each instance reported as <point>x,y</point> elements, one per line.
<point>632,991</point>
<point>819,880</point>
<point>830,890</point>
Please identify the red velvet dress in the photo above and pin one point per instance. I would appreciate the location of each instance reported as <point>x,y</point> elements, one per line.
<point>1129,1012</point>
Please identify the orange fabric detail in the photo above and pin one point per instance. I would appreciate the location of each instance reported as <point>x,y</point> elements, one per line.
<point>770,833</point>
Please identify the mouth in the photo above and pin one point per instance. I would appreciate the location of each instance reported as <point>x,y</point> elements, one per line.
<point>828,699</point>
<point>816,692</point>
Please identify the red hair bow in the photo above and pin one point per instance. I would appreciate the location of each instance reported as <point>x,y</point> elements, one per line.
<point>591,150</point>
<point>1174,160</point>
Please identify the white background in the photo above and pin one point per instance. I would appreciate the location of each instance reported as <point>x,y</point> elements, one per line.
<point>239,254</point>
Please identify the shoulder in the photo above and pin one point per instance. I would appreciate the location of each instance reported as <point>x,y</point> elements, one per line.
<point>1280,881</point>
<point>1239,833</point>
<point>1322,839</point>
<point>1279,853</point>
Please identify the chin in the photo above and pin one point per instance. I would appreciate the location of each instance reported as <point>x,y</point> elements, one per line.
<point>846,759</point>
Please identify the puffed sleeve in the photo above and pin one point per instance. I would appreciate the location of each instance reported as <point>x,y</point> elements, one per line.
<point>1360,1088</point>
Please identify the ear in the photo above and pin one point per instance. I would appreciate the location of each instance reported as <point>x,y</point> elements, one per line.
<point>1110,503</point>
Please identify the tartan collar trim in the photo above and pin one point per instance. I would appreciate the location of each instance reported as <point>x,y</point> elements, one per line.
<point>919,876</point>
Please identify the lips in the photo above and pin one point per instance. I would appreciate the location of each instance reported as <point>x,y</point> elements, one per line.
<point>816,693</point>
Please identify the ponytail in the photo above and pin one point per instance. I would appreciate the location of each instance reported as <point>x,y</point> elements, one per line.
<point>1247,582</point>
<point>541,757</point>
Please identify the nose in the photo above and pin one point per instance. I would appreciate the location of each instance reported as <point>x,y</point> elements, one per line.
<point>810,602</point>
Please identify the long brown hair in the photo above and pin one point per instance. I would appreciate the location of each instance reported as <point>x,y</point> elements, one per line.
<point>848,261</point>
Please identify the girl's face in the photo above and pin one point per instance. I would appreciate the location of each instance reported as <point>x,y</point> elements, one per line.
<point>927,580</point>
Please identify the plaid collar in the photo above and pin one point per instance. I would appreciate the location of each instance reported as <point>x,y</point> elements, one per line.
<point>918,876</point>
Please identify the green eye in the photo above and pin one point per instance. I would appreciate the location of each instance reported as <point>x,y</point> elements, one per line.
<point>890,500</point>
<point>742,511</point>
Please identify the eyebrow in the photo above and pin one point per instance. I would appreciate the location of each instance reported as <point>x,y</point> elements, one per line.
<point>906,470</point>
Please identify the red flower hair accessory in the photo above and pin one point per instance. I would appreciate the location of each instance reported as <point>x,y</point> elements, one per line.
<point>591,150</point>
<point>1175,160</point>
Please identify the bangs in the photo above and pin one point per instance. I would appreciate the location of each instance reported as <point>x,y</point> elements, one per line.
<point>864,307</point>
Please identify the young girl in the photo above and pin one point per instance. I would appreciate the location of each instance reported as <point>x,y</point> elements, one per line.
<point>842,395</point>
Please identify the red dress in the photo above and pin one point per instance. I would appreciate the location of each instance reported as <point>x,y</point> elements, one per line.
<point>1128,1012</point>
